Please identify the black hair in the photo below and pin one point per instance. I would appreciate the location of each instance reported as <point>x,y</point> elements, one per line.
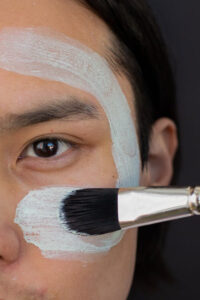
<point>140,52</point>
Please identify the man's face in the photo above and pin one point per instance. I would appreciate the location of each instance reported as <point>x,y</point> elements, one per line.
<point>74,151</point>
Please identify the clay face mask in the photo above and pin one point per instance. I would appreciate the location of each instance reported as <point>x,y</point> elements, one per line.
<point>39,215</point>
<point>52,56</point>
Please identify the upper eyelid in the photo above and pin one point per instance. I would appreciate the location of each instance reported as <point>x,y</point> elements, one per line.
<point>57,136</point>
<point>51,138</point>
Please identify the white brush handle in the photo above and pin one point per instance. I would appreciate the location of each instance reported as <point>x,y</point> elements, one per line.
<point>143,206</point>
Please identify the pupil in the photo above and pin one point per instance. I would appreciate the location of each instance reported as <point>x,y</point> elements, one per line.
<point>45,148</point>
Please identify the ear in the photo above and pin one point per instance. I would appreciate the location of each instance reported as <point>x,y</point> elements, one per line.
<point>162,148</point>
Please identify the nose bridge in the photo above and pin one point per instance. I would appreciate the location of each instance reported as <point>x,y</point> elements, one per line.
<point>9,236</point>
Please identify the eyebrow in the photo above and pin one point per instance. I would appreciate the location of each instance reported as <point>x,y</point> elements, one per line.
<point>69,109</point>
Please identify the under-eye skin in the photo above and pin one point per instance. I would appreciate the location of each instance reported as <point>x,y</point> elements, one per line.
<point>47,152</point>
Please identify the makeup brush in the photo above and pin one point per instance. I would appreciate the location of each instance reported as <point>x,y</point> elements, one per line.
<point>98,211</point>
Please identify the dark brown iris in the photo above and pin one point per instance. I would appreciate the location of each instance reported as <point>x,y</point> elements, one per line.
<point>46,147</point>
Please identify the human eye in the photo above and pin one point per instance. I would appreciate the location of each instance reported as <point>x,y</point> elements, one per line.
<point>46,148</point>
<point>47,153</point>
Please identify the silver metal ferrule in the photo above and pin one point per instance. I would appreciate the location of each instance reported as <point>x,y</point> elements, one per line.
<point>143,206</point>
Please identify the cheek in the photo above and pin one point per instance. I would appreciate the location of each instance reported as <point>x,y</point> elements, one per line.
<point>109,274</point>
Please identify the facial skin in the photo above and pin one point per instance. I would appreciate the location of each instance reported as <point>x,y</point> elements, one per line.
<point>24,272</point>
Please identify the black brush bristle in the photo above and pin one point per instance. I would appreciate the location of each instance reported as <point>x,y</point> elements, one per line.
<point>92,211</point>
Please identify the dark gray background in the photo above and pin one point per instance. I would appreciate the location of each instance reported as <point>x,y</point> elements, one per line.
<point>180,24</point>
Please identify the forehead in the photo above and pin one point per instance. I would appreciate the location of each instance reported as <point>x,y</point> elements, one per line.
<point>65,16</point>
<point>39,52</point>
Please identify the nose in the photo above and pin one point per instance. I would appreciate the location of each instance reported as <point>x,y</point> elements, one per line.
<point>9,244</point>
